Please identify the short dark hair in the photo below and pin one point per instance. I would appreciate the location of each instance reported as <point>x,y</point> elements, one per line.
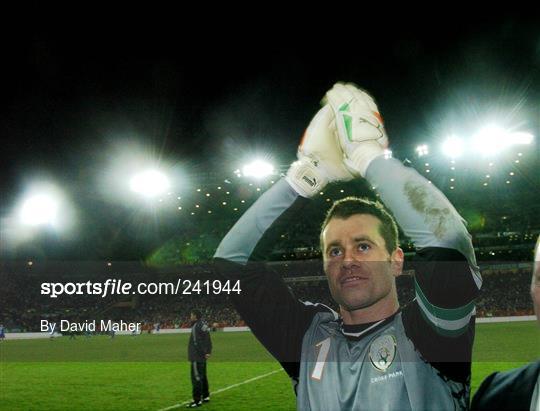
<point>349,206</point>
<point>196,313</point>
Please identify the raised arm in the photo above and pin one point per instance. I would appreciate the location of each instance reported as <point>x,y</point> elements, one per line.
<point>447,278</point>
<point>423,212</point>
<point>238,245</point>
<point>275,316</point>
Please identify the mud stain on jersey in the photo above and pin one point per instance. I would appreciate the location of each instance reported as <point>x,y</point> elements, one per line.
<point>436,214</point>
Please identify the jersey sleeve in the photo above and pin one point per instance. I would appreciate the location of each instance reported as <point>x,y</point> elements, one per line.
<point>440,320</point>
<point>276,317</point>
<point>447,277</point>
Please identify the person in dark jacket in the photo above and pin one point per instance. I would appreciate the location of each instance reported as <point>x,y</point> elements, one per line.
<point>510,390</point>
<point>515,389</point>
<point>199,350</point>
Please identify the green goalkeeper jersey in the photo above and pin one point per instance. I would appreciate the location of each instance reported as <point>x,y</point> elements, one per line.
<point>379,370</point>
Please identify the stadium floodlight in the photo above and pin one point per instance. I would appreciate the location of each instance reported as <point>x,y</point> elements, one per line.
<point>149,183</point>
<point>387,154</point>
<point>453,147</point>
<point>258,169</point>
<point>39,210</point>
<point>42,206</point>
<point>493,139</point>
<point>490,140</point>
<point>422,150</point>
<point>520,137</point>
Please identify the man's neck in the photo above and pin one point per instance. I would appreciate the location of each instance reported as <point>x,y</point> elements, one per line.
<point>379,311</point>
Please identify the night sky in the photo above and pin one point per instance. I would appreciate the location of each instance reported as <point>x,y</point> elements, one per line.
<point>203,98</point>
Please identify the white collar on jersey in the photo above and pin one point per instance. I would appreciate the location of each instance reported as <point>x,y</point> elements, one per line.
<point>358,334</point>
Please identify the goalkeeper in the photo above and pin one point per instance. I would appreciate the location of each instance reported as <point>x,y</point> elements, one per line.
<point>371,355</point>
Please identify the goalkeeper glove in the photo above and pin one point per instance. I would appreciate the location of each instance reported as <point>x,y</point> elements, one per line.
<point>320,159</point>
<point>358,125</point>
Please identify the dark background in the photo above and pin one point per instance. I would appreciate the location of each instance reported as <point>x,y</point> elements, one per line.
<point>202,93</point>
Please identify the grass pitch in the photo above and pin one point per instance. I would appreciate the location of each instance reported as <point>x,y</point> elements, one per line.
<point>152,372</point>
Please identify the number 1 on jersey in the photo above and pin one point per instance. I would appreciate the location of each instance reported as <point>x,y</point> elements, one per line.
<point>324,348</point>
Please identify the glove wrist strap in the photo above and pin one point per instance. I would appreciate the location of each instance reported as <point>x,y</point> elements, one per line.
<point>305,178</point>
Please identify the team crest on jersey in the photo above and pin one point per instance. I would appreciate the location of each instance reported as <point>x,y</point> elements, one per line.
<point>382,352</point>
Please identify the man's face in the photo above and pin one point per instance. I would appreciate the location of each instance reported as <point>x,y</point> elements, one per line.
<point>192,317</point>
<point>359,269</point>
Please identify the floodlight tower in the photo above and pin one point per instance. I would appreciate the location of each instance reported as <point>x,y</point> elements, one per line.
<point>39,210</point>
<point>258,169</point>
<point>149,183</point>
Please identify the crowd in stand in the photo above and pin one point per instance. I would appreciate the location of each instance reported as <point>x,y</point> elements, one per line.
<point>505,293</point>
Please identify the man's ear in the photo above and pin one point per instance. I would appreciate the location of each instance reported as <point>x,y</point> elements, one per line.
<point>396,259</point>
